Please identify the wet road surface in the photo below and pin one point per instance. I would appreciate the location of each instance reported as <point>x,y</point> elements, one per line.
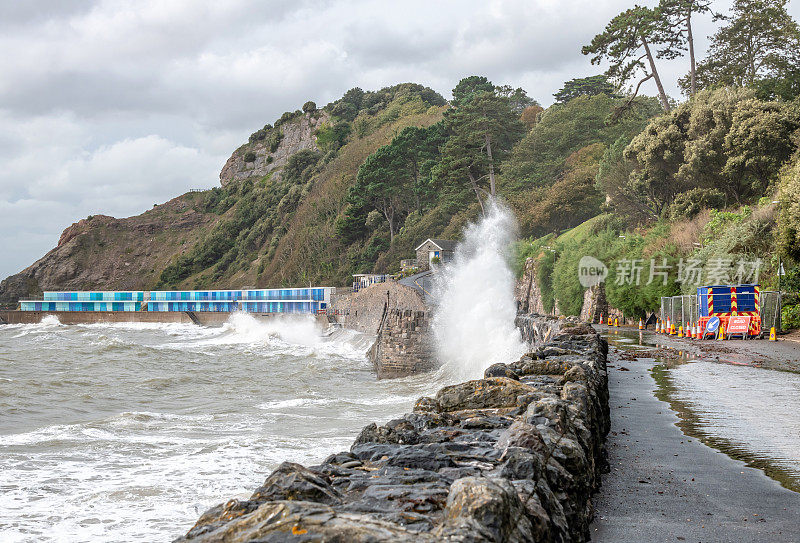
<point>665,486</point>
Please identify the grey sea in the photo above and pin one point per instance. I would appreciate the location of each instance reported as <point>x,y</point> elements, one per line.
<point>130,431</point>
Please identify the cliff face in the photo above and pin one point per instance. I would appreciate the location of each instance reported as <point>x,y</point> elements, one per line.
<point>295,136</point>
<point>102,252</point>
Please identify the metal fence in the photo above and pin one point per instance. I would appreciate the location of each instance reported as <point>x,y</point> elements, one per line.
<point>681,309</point>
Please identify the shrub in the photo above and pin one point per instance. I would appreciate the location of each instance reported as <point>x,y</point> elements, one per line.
<point>687,205</point>
<point>309,107</point>
<point>249,156</point>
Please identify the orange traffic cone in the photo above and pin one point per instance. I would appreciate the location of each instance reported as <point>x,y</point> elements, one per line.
<point>641,325</point>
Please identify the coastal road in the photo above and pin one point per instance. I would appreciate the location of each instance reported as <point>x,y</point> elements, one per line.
<point>665,486</point>
<point>421,282</point>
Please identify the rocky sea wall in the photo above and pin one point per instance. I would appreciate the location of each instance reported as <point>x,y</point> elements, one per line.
<point>512,457</point>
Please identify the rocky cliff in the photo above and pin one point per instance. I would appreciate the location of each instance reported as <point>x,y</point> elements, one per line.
<point>101,252</point>
<point>512,457</point>
<point>292,137</point>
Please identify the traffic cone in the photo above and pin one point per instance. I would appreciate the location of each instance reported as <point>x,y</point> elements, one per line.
<point>772,336</point>
<point>641,325</point>
<point>689,330</point>
<point>680,331</point>
<point>609,320</point>
<point>616,322</point>
<point>669,326</point>
<point>721,335</point>
<point>601,318</point>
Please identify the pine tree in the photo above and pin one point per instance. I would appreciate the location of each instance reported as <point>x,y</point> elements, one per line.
<point>627,42</point>
<point>676,32</point>
<point>760,41</point>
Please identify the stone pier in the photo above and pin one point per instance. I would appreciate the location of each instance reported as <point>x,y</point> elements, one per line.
<point>403,346</point>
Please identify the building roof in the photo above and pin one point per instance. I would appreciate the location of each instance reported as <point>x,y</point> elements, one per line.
<point>442,244</point>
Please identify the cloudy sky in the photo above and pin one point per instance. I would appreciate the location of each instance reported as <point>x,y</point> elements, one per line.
<point>111,106</point>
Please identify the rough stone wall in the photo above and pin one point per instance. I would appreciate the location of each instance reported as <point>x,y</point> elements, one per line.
<point>297,135</point>
<point>362,310</point>
<point>529,297</point>
<point>423,262</point>
<point>538,329</point>
<point>526,290</point>
<point>512,457</point>
<point>404,345</point>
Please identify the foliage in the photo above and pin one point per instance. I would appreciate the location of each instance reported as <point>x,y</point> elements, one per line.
<point>563,129</point>
<point>688,204</point>
<point>573,198</point>
<point>530,116</point>
<point>309,107</point>
<point>725,140</point>
<point>759,43</point>
<point>584,86</point>
<point>299,167</point>
<point>481,130</point>
<point>625,43</point>
<point>249,156</point>
<point>330,137</point>
<point>468,86</point>
<point>789,221</point>
<point>356,100</point>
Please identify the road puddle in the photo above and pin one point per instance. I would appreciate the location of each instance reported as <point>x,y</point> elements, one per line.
<point>749,413</point>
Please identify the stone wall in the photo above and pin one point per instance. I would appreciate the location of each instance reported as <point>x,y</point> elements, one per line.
<point>363,310</point>
<point>403,346</point>
<point>512,457</point>
<point>526,290</point>
<point>529,297</point>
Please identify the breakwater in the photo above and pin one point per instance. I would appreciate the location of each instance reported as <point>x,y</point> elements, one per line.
<point>514,456</point>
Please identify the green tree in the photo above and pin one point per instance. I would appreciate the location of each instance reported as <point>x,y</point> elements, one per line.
<point>626,43</point>
<point>482,130</point>
<point>725,139</point>
<point>379,186</point>
<point>584,86</point>
<point>676,31</point>
<point>538,159</point>
<point>759,42</point>
<point>518,99</point>
<point>468,86</point>
<point>418,149</point>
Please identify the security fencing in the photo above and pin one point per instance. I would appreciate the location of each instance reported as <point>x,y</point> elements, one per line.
<point>681,309</point>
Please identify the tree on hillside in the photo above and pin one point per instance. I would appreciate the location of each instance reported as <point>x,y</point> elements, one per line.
<point>725,140</point>
<point>626,42</point>
<point>377,184</point>
<point>417,150</point>
<point>676,31</point>
<point>468,86</point>
<point>573,198</point>
<point>759,42</point>
<point>562,129</point>
<point>584,86</point>
<point>518,99</point>
<point>482,129</point>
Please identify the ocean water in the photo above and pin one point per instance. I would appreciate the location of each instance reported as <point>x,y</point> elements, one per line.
<point>130,431</point>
